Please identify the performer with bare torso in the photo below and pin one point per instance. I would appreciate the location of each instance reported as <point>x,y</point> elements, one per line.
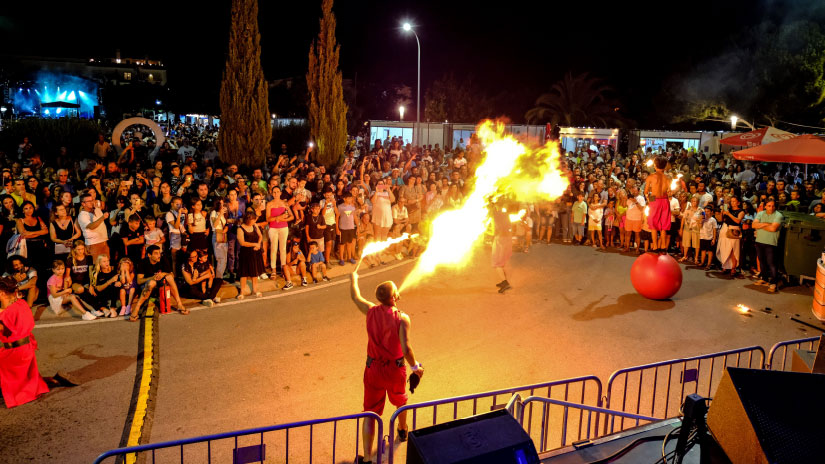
<point>659,217</point>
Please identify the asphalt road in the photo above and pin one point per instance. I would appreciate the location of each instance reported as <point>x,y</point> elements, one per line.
<point>300,355</point>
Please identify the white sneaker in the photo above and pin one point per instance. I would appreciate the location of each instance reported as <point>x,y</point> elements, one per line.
<point>88,316</point>
<point>217,299</point>
<point>263,276</point>
<point>106,312</point>
<point>207,303</point>
<point>98,312</point>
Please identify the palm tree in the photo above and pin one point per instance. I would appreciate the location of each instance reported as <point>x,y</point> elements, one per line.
<point>577,101</point>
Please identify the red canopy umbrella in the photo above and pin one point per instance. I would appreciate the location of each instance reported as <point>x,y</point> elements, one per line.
<point>804,149</point>
<point>757,137</point>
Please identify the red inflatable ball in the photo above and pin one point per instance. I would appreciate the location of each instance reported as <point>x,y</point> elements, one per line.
<point>655,276</point>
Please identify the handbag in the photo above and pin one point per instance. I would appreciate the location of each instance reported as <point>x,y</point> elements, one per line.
<point>734,234</point>
<point>17,246</point>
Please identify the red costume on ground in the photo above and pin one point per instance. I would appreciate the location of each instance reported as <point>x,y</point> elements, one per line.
<point>383,376</point>
<point>659,217</point>
<point>19,378</point>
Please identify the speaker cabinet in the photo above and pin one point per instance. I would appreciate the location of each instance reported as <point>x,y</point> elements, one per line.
<point>761,416</point>
<point>491,438</point>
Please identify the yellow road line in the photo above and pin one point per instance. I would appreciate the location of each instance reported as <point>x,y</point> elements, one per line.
<point>145,386</point>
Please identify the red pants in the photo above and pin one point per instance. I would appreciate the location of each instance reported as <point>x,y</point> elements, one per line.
<point>384,380</point>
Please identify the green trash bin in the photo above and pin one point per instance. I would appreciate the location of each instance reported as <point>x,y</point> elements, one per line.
<point>804,237</point>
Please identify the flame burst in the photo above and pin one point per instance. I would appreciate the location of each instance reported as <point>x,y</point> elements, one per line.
<point>509,168</point>
<point>377,247</point>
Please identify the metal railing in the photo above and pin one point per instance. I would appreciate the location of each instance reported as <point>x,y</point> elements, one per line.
<point>583,390</point>
<point>801,343</point>
<point>585,424</point>
<point>226,447</point>
<point>659,389</point>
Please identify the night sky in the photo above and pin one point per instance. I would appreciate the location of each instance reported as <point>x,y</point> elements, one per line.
<point>521,47</point>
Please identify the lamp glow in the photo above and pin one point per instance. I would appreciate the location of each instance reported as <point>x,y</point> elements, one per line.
<point>407,27</point>
<point>401,112</point>
<point>733,120</point>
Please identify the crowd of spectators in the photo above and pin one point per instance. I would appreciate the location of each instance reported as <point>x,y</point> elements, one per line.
<point>99,232</point>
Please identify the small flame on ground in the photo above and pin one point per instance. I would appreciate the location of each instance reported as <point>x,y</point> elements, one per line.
<point>743,309</point>
<point>377,247</point>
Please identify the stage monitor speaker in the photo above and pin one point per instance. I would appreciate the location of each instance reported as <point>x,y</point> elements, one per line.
<point>494,438</point>
<point>761,416</point>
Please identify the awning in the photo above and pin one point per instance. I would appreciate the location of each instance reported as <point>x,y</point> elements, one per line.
<point>758,137</point>
<point>805,149</point>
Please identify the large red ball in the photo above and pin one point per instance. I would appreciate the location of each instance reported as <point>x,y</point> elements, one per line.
<point>656,276</point>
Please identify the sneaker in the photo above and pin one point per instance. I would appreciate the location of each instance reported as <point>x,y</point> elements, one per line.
<point>304,282</point>
<point>761,282</point>
<point>208,303</point>
<point>402,435</point>
<point>88,316</point>
<point>340,262</point>
<point>217,299</point>
<point>772,288</point>
<point>106,312</point>
<point>240,296</point>
<point>97,312</point>
<point>258,294</point>
<point>352,260</point>
<point>326,279</point>
<point>504,287</point>
<point>287,286</point>
<point>263,276</point>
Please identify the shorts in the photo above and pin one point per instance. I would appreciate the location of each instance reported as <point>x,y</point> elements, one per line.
<point>56,304</point>
<point>594,226</point>
<point>659,217</point>
<point>578,229</point>
<point>347,235</point>
<point>633,226</point>
<point>690,239</point>
<point>646,235</point>
<point>706,245</point>
<point>547,220</point>
<point>329,233</point>
<point>381,381</point>
<point>98,249</point>
<point>674,228</point>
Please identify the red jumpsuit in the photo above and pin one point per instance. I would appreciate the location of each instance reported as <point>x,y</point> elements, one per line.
<point>386,373</point>
<point>20,380</point>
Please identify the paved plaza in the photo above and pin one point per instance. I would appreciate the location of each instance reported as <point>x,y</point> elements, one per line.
<point>300,354</point>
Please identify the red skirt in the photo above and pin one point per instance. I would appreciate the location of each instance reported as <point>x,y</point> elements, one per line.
<point>20,379</point>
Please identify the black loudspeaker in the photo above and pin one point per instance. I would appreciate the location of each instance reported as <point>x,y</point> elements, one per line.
<point>495,438</point>
<point>761,416</point>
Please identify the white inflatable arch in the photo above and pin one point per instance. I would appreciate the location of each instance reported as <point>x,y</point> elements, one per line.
<point>160,137</point>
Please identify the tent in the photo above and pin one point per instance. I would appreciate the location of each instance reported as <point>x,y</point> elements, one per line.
<point>757,137</point>
<point>804,149</point>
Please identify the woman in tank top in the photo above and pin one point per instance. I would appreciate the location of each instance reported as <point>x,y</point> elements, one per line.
<point>63,231</point>
<point>278,216</point>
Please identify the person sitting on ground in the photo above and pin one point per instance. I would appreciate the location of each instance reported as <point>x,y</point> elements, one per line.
<point>316,263</point>
<point>153,273</point>
<point>60,296</point>
<point>26,278</point>
<point>199,276</point>
<point>128,285</point>
<point>296,263</point>
<point>104,279</point>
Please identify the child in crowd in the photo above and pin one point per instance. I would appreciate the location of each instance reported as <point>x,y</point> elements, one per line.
<point>365,232</point>
<point>646,236</point>
<point>59,296</point>
<point>527,225</point>
<point>317,263</point>
<point>609,220</point>
<point>595,212</point>
<point>126,270</point>
<point>707,236</point>
<point>296,263</point>
<point>152,235</point>
<point>203,266</point>
<point>133,239</point>
<point>579,218</point>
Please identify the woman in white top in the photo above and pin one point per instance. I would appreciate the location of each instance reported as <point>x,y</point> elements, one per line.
<point>217,219</point>
<point>197,227</point>
<point>382,201</point>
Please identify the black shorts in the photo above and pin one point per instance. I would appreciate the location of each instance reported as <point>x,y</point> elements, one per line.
<point>329,234</point>
<point>706,245</point>
<point>347,235</point>
<point>674,228</point>
<point>646,236</point>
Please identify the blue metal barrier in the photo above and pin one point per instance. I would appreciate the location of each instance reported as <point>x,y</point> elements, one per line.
<point>470,405</point>
<point>587,426</point>
<point>637,389</point>
<point>184,450</point>
<point>773,362</point>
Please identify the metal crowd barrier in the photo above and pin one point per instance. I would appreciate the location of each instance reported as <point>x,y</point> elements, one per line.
<point>774,364</point>
<point>555,424</point>
<point>425,414</point>
<point>659,389</point>
<point>229,448</point>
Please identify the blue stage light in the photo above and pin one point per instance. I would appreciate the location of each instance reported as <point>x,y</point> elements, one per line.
<point>58,110</point>
<point>47,111</point>
<point>72,96</point>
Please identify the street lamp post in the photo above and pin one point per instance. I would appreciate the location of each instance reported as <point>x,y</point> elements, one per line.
<point>401,112</point>
<point>408,27</point>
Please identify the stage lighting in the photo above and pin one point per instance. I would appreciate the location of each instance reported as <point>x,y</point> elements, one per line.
<point>58,110</point>
<point>47,111</point>
<point>80,92</point>
<point>71,96</point>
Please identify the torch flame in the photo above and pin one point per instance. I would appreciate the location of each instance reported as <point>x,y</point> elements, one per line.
<point>377,247</point>
<point>743,309</point>
<point>517,216</point>
<point>649,163</point>
<point>675,183</point>
<point>509,168</point>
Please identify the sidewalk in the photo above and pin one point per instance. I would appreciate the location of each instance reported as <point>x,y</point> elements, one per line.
<point>44,316</point>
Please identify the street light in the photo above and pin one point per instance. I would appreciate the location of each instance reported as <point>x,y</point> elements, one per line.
<point>408,27</point>
<point>401,112</point>
<point>733,120</point>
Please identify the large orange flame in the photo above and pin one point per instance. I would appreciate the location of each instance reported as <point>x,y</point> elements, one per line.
<point>509,168</point>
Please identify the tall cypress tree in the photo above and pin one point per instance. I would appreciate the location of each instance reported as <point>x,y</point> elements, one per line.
<point>245,129</point>
<point>327,110</point>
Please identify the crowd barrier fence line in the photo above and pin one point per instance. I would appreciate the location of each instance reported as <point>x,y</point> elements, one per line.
<point>244,454</point>
<point>564,420</point>
<point>575,388</point>
<point>628,389</point>
<point>813,343</point>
